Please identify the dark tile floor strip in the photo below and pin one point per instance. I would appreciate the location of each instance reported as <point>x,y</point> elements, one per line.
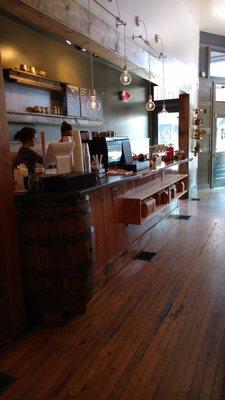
<point>183,217</point>
<point>145,256</point>
<point>5,381</point>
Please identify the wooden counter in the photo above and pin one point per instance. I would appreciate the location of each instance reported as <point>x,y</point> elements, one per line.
<point>57,234</point>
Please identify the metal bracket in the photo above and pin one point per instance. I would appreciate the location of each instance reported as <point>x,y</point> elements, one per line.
<point>114,192</point>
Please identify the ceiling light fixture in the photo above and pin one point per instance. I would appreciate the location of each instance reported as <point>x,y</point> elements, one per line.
<point>150,105</point>
<point>68,42</point>
<point>125,78</point>
<point>93,102</point>
<point>162,55</point>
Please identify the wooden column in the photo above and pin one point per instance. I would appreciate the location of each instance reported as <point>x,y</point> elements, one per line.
<point>184,124</point>
<point>12,318</point>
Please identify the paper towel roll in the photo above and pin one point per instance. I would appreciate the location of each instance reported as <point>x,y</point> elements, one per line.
<point>77,152</point>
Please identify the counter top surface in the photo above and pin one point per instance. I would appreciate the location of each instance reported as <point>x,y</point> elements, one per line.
<point>104,182</point>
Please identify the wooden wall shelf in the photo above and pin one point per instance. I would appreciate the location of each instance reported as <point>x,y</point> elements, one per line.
<point>49,119</point>
<point>164,209</point>
<point>32,80</point>
<point>132,203</point>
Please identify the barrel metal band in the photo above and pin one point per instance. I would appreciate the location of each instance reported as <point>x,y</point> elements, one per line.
<point>59,272</point>
<point>30,241</point>
<point>51,217</point>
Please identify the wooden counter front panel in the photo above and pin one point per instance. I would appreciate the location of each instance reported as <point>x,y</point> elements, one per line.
<point>109,233</point>
<point>113,235</point>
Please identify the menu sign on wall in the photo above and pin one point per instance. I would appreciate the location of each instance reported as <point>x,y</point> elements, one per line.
<point>73,100</point>
<point>84,98</point>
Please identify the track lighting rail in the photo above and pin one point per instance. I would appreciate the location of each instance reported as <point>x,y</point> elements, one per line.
<point>119,21</point>
<point>148,44</point>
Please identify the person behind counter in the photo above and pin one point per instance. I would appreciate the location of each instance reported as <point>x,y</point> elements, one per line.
<point>66,131</point>
<point>25,154</point>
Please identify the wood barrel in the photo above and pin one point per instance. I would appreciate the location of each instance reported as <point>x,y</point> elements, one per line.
<point>57,252</point>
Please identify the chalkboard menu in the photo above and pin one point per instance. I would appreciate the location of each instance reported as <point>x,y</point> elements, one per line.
<point>73,100</point>
<point>85,112</point>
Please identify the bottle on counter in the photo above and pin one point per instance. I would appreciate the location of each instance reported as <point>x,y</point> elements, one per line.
<point>86,158</point>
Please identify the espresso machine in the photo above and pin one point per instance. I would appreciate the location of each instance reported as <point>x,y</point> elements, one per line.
<point>116,153</point>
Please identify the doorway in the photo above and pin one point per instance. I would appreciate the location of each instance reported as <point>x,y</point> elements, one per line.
<point>218,137</point>
<point>218,151</point>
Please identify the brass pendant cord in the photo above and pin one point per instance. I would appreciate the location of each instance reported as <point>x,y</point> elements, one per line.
<point>163,70</point>
<point>163,73</point>
<point>91,49</point>
<point>149,60</point>
<point>124,43</point>
<point>149,70</point>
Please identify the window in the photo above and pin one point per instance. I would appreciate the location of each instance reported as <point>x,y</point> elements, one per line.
<point>220,135</point>
<point>168,128</point>
<point>217,64</point>
<point>220,92</point>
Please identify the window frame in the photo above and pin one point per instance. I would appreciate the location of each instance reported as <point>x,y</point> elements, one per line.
<point>215,77</point>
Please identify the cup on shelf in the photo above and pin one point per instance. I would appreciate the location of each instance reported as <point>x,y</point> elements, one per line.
<point>42,73</point>
<point>33,70</point>
<point>54,110</point>
<point>37,109</point>
<point>47,110</point>
<point>23,67</point>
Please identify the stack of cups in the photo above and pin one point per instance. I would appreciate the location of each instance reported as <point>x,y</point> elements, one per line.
<point>78,153</point>
<point>87,158</point>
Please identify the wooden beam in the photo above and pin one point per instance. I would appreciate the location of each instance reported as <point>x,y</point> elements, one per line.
<point>184,123</point>
<point>69,20</point>
<point>12,319</point>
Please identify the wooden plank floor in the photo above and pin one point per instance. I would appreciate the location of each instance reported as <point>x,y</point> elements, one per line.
<point>156,331</point>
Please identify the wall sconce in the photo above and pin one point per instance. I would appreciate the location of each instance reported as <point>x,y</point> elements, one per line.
<point>124,95</point>
<point>93,103</point>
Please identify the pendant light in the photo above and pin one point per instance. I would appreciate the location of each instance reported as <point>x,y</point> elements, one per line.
<point>125,78</point>
<point>164,110</point>
<point>150,105</point>
<point>93,103</point>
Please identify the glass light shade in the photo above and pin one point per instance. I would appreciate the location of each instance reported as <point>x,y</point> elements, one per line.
<point>125,78</point>
<point>164,110</point>
<point>150,105</point>
<point>93,103</point>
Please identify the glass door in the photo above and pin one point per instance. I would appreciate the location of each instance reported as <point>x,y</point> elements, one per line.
<point>219,152</point>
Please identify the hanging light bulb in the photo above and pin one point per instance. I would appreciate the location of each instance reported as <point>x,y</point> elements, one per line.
<point>150,105</point>
<point>93,102</point>
<point>125,78</point>
<point>164,110</point>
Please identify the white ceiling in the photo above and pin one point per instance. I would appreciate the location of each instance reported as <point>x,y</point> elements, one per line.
<point>209,14</point>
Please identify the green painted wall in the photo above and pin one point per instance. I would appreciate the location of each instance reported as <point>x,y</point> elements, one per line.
<point>22,45</point>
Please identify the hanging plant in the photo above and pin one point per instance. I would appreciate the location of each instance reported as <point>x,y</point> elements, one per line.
<point>198,147</point>
<point>198,132</point>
